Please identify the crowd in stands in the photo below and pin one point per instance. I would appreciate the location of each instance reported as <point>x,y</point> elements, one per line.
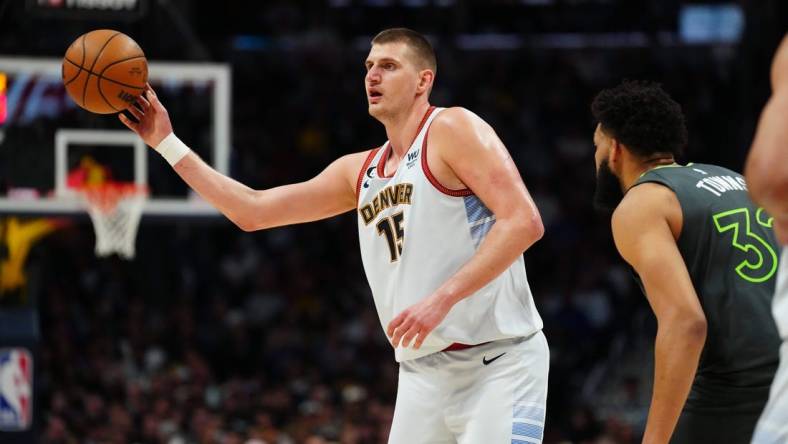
<point>214,335</point>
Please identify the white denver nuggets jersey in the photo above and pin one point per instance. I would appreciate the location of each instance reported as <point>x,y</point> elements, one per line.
<point>780,304</point>
<point>415,234</point>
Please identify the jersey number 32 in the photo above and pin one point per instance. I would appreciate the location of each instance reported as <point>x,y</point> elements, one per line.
<point>746,240</point>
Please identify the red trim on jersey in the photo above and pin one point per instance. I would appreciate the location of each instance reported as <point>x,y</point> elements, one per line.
<point>363,171</point>
<point>424,166</point>
<point>458,346</point>
<point>382,163</point>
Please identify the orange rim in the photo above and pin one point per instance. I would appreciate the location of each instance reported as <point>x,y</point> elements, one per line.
<point>105,197</point>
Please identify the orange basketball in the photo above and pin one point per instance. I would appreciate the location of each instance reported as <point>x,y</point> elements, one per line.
<point>104,71</point>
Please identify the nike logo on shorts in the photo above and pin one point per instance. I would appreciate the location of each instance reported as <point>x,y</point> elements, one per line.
<point>486,361</point>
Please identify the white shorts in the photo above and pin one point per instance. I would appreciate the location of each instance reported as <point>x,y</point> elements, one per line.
<point>772,427</point>
<point>492,393</point>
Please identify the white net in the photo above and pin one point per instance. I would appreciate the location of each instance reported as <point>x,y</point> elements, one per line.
<point>115,213</point>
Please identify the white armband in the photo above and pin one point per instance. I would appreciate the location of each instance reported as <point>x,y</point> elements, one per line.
<point>172,149</point>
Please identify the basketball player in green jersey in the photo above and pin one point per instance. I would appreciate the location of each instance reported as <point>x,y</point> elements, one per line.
<point>706,258</point>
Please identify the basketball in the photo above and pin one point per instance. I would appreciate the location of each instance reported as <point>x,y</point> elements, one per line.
<point>104,71</point>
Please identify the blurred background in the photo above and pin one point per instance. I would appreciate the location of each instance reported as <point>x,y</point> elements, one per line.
<point>213,335</point>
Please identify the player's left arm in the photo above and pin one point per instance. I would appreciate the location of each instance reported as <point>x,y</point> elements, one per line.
<point>472,151</point>
<point>642,233</point>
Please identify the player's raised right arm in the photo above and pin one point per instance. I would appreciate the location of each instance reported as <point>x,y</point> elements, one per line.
<point>329,193</point>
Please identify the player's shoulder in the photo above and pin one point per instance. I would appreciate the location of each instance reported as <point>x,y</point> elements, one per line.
<point>356,160</point>
<point>349,165</point>
<point>456,117</point>
<point>643,204</point>
<point>779,69</point>
<point>458,123</point>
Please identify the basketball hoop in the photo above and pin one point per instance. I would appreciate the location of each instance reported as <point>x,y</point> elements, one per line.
<point>115,210</point>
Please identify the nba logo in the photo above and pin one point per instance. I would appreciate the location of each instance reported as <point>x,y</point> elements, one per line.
<point>16,389</point>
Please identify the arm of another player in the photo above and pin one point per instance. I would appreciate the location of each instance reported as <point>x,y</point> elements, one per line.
<point>643,237</point>
<point>329,193</point>
<point>478,158</point>
<point>767,163</point>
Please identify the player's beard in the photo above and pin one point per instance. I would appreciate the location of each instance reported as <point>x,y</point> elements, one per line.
<point>608,192</point>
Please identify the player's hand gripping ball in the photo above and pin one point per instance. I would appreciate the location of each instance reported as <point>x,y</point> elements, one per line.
<point>104,71</point>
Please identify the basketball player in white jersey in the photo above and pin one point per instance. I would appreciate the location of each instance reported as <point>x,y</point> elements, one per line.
<point>443,220</point>
<point>767,177</point>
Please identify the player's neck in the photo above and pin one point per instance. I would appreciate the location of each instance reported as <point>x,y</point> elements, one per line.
<point>401,131</point>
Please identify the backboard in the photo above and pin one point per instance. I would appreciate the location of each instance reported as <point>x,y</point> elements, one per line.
<point>45,135</point>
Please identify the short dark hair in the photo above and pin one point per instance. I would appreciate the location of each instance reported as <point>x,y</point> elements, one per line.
<point>643,117</point>
<point>419,44</point>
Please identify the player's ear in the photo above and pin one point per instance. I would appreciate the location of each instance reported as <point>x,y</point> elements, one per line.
<point>615,150</point>
<point>426,77</point>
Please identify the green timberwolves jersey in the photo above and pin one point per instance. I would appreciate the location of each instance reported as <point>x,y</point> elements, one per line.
<point>732,256</point>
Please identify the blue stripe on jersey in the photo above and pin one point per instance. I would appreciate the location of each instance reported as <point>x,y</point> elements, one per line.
<point>479,232</point>
<point>475,209</point>
<point>527,430</point>
<point>480,218</point>
<point>520,441</point>
<point>531,412</point>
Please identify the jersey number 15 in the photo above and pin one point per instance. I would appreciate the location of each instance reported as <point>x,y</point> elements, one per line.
<point>391,227</point>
